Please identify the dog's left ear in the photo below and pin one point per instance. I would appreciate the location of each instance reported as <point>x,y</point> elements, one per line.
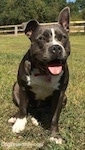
<point>64,18</point>
<point>31,27</point>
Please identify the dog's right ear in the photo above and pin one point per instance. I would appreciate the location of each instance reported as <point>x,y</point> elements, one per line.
<point>31,27</point>
<point>64,18</point>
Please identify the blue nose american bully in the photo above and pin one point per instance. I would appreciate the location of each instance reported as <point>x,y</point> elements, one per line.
<point>43,72</point>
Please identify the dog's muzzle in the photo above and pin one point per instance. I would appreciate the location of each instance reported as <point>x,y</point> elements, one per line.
<point>55,58</point>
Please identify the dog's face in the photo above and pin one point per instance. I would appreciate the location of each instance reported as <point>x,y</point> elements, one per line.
<point>50,44</point>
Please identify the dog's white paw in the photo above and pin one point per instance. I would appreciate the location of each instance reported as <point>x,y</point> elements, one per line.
<point>34,121</point>
<point>12,120</point>
<point>56,140</point>
<point>19,125</point>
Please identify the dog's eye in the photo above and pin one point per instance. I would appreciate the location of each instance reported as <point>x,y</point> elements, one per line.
<point>58,36</point>
<point>41,38</point>
<point>64,36</point>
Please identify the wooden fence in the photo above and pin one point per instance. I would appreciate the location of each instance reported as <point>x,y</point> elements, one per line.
<point>75,27</point>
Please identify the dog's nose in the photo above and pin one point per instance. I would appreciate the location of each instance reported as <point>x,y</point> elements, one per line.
<point>56,49</point>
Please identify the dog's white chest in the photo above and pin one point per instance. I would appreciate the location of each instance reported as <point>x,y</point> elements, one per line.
<point>43,85</point>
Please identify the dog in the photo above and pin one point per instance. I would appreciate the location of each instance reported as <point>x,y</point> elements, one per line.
<point>43,72</point>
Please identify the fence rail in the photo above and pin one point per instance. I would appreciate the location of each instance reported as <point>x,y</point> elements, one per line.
<point>75,27</point>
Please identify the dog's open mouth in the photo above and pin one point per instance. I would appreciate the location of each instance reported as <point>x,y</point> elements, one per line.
<point>55,70</point>
<point>55,67</point>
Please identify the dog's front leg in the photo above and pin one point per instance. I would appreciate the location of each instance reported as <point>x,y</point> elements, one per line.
<point>23,111</point>
<point>56,110</point>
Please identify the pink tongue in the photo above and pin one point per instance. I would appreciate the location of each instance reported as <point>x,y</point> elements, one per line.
<point>55,69</point>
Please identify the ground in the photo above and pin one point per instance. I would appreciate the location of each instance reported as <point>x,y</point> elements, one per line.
<point>72,120</point>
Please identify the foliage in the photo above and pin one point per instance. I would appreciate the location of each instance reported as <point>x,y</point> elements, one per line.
<point>17,11</point>
<point>83,14</point>
<point>80,4</point>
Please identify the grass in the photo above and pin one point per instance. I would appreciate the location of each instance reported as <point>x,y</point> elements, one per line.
<point>72,120</point>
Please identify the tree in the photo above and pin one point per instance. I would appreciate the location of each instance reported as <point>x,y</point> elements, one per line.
<point>18,11</point>
<point>80,4</point>
<point>83,14</point>
<point>53,7</point>
<point>81,8</point>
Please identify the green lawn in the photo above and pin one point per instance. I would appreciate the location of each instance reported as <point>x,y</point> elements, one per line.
<point>72,120</point>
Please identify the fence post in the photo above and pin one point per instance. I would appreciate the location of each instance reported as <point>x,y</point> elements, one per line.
<point>84,28</point>
<point>16,30</point>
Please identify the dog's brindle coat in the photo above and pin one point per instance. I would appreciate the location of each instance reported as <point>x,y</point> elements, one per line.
<point>43,72</point>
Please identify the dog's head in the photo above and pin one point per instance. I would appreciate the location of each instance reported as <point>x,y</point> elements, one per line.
<point>50,44</point>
